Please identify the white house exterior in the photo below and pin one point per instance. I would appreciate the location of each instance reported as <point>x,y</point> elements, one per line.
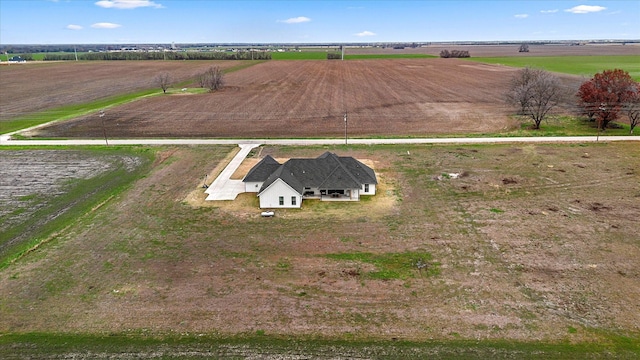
<point>280,195</point>
<point>328,177</point>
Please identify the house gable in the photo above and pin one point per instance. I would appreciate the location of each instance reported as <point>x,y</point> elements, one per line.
<point>279,195</point>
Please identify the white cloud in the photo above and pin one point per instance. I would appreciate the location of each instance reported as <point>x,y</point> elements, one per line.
<point>74,27</point>
<point>105,25</point>
<point>296,20</point>
<point>521,16</point>
<point>585,9</point>
<point>549,11</point>
<point>365,33</point>
<point>127,4</point>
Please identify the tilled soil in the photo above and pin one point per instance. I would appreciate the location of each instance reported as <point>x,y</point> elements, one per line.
<point>41,86</point>
<point>310,98</point>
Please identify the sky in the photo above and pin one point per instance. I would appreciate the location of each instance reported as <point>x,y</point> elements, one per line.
<point>220,21</point>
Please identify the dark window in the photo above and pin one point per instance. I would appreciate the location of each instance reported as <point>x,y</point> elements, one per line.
<point>281,200</point>
<point>366,188</point>
<point>293,200</point>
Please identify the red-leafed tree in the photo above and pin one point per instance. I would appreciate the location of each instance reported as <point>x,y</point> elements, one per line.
<point>604,95</point>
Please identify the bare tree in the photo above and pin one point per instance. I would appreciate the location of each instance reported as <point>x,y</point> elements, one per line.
<point>519,89</point>
<point>632,107</point>
<point>201,80</point>
<point>536,92</point>
<point>524,48</point>
<point>164,81</point>
<point>212,79</point>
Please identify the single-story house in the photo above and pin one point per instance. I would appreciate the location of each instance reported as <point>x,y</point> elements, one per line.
<point>328,177</point>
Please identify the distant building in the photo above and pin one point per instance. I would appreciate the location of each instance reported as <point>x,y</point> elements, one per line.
<point>328,177</point>
<point>17,60</point>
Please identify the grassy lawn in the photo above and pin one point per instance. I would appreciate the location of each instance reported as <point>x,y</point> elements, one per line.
<point>585,66</point>
<point>563,126</point>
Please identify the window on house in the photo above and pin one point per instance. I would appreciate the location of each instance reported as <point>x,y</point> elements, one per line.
<point>366,188</point>
<point>293,200</point>
<point>281,200</point>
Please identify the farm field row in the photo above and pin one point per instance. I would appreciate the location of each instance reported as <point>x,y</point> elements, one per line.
<point>309,99</point>
<point>533,242</point>
<point>392,97</point>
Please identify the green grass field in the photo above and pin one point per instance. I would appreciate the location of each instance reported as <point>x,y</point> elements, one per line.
<point>197,346</point>
<point>585,66</point>
<point>322,55</point>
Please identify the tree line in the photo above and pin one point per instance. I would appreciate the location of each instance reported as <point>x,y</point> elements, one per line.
<point>536,92</point>
<point>161,55</point>
<point>454,54</point>
<point>212,79</point>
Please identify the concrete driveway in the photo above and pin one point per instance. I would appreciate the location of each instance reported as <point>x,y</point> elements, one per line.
<point>223,187</point>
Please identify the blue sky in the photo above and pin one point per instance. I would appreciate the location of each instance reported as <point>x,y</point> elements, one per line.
<point>218,21</point>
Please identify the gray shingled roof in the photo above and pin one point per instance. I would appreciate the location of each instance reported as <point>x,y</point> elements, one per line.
<point>261,171</point>
<point>283,174</point>
<point>327,171</point>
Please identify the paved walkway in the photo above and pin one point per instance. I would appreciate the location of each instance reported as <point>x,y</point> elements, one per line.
<point>223,188</point>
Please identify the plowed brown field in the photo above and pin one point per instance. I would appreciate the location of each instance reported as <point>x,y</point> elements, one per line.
<point>309,98</point>
<point>41,86</point>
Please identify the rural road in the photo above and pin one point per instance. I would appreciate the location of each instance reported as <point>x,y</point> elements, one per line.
<point>4,140</point>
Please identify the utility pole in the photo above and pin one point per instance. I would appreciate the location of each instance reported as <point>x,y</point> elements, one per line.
<point>104,130</point>
<point>603,108</point>
<point>345,128</point>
